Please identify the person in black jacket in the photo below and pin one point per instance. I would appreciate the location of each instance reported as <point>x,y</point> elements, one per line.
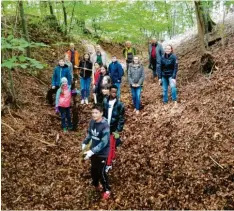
<point>167,71</point>
<point>99,133</point>
<point>113,111</point>
<point>85,77</point>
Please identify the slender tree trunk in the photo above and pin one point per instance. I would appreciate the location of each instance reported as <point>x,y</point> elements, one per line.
<point>51,8</point>
<point>168,19</point>
<point>24,26</point>
<point>73,10</point>
<point>190,14</point>
<point>65,17</point>
<point>200,26</point>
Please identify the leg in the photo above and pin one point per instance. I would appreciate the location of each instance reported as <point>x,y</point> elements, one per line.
<point>133,96</point>
<point>103,175</point>
<point>165,89</point>
<point>88,82</point>
<point>118,91</point>
<point>111,152</point>
<point>154,68</point>
<point>50,93</point>
<point>82,87</point>
<point>68,116</point>
<point>63,116</point>
<point>95,173</point>
<point>138,98</point>
<point>173,89</point>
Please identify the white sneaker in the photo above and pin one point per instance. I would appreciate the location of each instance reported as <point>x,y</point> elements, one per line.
<point>82,102</point>
<point>86,101</point>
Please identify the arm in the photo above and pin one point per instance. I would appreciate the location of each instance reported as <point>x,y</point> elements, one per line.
<point>124,53</point>
<point>57,97</point>
<point>68,77</point>
<point>159,68</point>
<point>103,141</point>
<point>140,82</point>
<point>175,68</point>
<point>121,71</point>
<point>54,77</point>
<point>88,137</point>
<point>121,118</point>
<point>129,76</point>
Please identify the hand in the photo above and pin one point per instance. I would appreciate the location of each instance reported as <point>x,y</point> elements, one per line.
<point>73,91</point>
<point>160,82</point>
<point>88,154</point>
<point>137,85</point>
<point>83,146</point>
<point>53,87</point>
<point>174,81</point>
<point>56,109</point>
<point>116,135</point>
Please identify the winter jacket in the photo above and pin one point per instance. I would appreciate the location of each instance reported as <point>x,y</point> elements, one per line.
<point>136,74</point>
<point>94,58</point>
<point>99,133</point>
<point>116,72</point>
<point>168,66</point>
<point>76,57</point>
<point>159,52</point>
<point>129,53</point>
<point>63,99</point>
<point>96,76</point>
<point>104,81</point>
<point>117,117</point>
<point>86,73</point>
<point>60,72</point>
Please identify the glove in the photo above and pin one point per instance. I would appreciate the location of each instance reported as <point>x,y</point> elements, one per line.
<point>56,109</point>
<point>73,91</point>
<point>160,82</point>
<point>88,154</point>
<point>116,135</point>
<point>174,81</point>
<point>83,146</point>
<point>53,87</point>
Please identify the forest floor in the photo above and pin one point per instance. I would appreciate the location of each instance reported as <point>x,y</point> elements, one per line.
<point>171,157</point>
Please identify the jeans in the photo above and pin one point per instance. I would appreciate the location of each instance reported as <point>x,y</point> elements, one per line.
<point>65,115</point>
<point>136,97</point>
<point>165,83</point>
<point>119,88</point>
<point>85,87</point>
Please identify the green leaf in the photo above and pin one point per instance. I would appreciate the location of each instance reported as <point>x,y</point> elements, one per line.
<point>22,58</point>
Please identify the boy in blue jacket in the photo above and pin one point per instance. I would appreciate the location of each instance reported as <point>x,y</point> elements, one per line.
<point>99,133</point>
<point>116,73</point>
<point>60,71</point>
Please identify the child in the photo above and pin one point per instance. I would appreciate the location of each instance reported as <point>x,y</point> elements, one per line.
<point>113,111</point>
<point>99,133</point>
<point>60,71</point>
<point>96,73</point>
<point>63,101</point>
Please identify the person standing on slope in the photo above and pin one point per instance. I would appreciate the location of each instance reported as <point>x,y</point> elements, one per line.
<point>128,53</point>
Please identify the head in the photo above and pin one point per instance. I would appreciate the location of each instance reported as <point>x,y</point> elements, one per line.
<point>72,46</point>
<point>86,56</point>
<point>96,65</point>
<point>128,44</point>
<point>103,69</point>
<point>113,91</point>
<point>66,57</point>
<point>114,59</point>
<point>169,49</point>
<point>153,40</point>
<point>61,62</point>
<point>98,48</point>
<point>136,60</point>
<point>63,81</point>
<point>97,112</point>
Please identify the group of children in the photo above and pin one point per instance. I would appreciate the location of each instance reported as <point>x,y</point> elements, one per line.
<point>108,111</point>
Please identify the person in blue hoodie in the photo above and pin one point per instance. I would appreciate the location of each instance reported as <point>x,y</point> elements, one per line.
<point>167,71</point>
<point>99,133</point>
<point>60,71</point>
<point>116,73</point>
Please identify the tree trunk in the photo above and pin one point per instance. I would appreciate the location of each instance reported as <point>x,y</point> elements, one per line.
<point>24,26</point>
<point>65,17</point>
<point>73,10</point>
<point>51,8</point>
<point>200,26</point>
<point>190,14</point>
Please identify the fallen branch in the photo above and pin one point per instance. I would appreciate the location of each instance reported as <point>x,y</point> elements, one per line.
<point>42,141</point>
<point>10,113</point>
<point>8,126</point>
<point>216,162</point>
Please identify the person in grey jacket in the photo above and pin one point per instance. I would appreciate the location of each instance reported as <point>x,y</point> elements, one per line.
<point>99,56</point>
<point>155,51</point>
<point>136,78</point>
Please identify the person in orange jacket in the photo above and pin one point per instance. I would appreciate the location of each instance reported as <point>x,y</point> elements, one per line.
<point>73,55</point>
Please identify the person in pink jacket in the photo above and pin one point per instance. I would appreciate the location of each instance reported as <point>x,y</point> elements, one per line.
<point>63,101</point>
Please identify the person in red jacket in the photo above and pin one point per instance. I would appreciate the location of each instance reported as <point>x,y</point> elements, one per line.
<point>73,55</point>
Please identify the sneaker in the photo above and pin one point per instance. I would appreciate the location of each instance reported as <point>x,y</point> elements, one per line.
<point>82,101</point>
<point>175,104</point>
<point>64,130</point>
<point>106,195</point>
<point>70,128</point>
<point>134,110</point>
<point>137,112</point>
<point>108,168</point>
<point>86,101</point>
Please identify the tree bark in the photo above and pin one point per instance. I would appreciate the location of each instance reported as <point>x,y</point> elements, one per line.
<point>51,8</point>
<point>65,17</point>
<point>24,26</point>
<point>73,10</point>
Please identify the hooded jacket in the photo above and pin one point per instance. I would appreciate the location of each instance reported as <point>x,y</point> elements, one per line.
<point>99,133</point>
<point>60,72</point>
<point>63,97</point>
<point>136,74</point>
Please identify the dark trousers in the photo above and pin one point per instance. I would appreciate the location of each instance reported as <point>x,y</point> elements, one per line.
<point>98,173</point>
<point>65,117</point>
<point>154,64</point>
<point>49,96</point>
